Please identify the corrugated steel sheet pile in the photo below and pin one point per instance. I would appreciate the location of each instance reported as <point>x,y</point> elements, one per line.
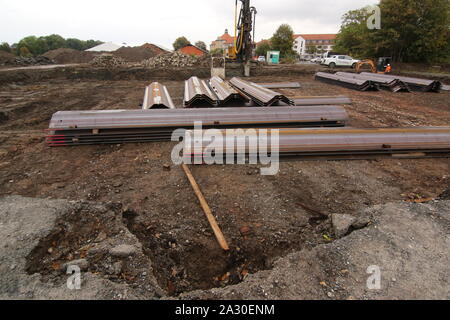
<point>157,97</point>
<point>258,94</point>
<point>357,84</point>
<point>197,94</point>
<point>349,143</point>
<point>394,85</point>
<point>226,94</point>
<point>416,84</point>
<point>119,126</point>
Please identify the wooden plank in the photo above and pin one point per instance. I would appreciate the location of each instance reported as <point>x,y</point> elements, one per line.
<point>212,221</point>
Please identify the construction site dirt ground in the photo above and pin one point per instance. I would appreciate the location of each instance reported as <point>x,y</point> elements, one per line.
<point>264,218</point>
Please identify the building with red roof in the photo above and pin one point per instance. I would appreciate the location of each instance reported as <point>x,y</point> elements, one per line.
<point>223,42</point>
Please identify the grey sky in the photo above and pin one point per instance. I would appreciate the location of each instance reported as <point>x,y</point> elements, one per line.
<point>138,21</point>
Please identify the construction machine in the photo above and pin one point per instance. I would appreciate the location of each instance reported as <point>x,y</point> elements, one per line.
<point>242,50</point>
<point>382,66</point>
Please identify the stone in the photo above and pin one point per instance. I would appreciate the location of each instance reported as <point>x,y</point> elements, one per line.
<point>123,251</point>
<point>83,264</point>
<point>341,224</point>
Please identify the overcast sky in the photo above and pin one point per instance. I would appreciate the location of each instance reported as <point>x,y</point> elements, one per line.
<point>135,22</point>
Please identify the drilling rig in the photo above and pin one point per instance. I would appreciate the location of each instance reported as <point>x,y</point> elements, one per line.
<point>244,29</point>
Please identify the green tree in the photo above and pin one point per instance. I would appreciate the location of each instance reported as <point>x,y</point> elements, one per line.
<point>201,45</point>
<point>24,52</point>
<point>180,43</point>
<point>262,48</point>
<point>411,31</point>
<point>283,41</point>
<point>4,46</point>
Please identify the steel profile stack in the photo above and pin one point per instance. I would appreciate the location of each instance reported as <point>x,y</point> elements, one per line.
<point>281,85</point>
<point>415,84</point>
<point>320,101</point>
<point>357,84</point>
<point>394,85</point>
<point>197,94</point>
<point>347,143</point>
<point>68,128</point>
<point>157,97</point>
<point>258,94</point>
<point>227,96</point>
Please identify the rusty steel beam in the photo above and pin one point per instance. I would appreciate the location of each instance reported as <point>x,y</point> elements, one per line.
<point>260,95</point>
<point>337,142</point>
<point>356,84</point>
<point>281,85</point>
<point>157,97</point>
<point>197,94</point>
<point>226,94</point>
<point>117,126</point>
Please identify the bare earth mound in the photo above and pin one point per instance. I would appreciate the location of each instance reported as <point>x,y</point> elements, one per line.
<point>65,55</point>
<point>135,54</point>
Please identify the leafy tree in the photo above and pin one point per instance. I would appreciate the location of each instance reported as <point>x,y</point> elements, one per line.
<point>411,31</point>
<point>75,44</point>
<point>217,52</point>
<point>311,49</point>
<point>24,52</point>
<point>262,48</point>
<point>180,43</point>
<point>283,41</point>
<point>4,46</point>
<point>201,45</point>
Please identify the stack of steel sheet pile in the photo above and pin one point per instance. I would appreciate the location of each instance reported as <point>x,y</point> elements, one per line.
<point>394,85</point>
<point>343,143</point>
<point>197,94</point>
<point>258,94</point>
<point>119,126</point>
<point>416,84</point>
<point>357,84</point>
<point>227,96</point>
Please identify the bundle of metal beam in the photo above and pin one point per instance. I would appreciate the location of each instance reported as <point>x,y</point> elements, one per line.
<point>119,126</point>
<point>338,143</point>
<point>226,94</point>
<point>357,84</point>
<point>157,97</point>
<point>414,84</point>
<point>261,96</point>
<point>321,101</point>
<point>281,85</point>
<point>394,85</point>
<point>197,94</point>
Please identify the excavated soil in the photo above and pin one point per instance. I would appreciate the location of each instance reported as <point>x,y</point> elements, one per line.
<point>262,217</point>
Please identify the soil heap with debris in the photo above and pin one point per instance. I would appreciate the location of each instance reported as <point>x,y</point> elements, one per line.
<point>66,55</point>
<point>135,54</point>
<point>6,57</point>
<point>175,59</point>
<point>108,61</point>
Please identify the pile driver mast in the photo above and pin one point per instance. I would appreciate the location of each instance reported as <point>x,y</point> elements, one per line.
<point>245,32</point>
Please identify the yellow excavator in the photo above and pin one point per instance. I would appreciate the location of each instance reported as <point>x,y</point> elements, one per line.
<point>382,66</point>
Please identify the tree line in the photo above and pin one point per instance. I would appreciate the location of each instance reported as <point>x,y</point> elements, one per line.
<point>35,46</point>
<point>411,31</point>
<point>282,40</point>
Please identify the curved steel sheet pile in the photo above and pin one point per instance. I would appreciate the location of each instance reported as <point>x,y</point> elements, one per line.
<point>258,94</point>
<point>157,97</point>
<point>357,84</point>
<point>226,94</point>
<point>197,94</point>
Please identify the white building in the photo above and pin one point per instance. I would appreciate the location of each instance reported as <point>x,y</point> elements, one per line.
<point>312,45</point>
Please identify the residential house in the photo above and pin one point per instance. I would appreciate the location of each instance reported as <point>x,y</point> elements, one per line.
<point>313,45</point>
<point>193,50</point>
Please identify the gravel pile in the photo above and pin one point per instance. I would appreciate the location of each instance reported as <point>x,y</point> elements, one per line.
<point>176,59</point>
<point>31,61</point>
<point>108,61</point>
